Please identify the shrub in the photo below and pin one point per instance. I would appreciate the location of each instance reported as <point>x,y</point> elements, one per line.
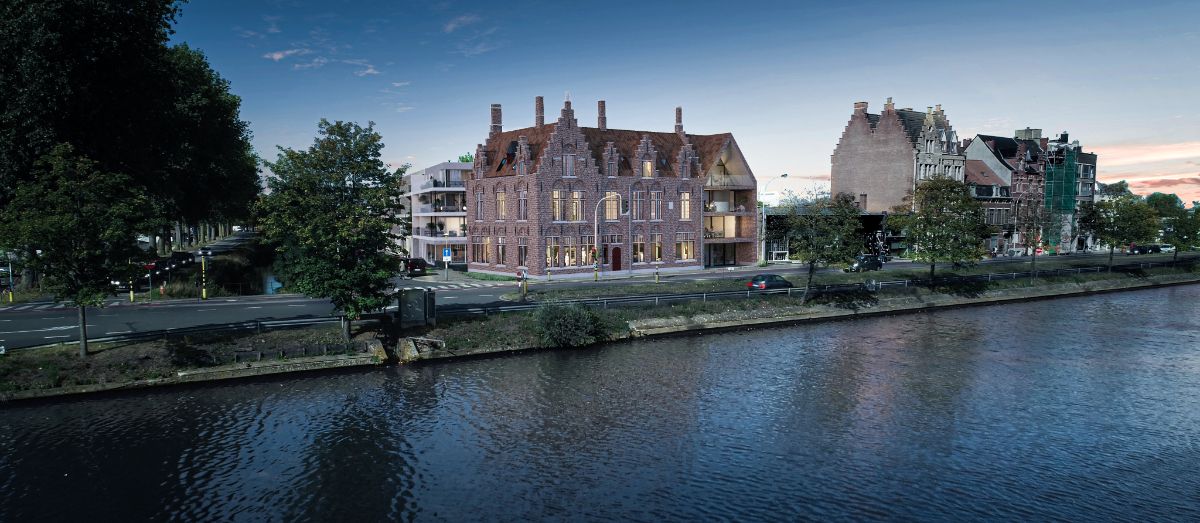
<point>568,325</point>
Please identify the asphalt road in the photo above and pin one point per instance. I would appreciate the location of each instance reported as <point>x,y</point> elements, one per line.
<point>29,324</point>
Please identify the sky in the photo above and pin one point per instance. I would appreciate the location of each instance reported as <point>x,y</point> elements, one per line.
<point>1121,77</point>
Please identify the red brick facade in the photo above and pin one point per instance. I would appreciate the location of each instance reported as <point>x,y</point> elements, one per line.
<point>535,194</point>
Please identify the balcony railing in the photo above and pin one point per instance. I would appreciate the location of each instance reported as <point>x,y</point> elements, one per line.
<point>428,231</point>
<point>432,183</point>
<point>432,207</point>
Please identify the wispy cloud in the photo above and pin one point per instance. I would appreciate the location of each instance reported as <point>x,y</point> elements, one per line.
<point>1168,183</point>
<point>315,63</point>
<point>1138,154</point>
<point>365,67</point>
<point>280,55</point>
<point>246,33</point>
<point>401,84</point>
<point>459,21</point>
<point>478,44</point>
<point>272,24</point>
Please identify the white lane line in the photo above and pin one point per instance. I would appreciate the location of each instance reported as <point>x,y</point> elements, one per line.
<point>205,310</point>
<point>486,296</point>
<point>255,307</point>
<point>23,308</point>
<point>59,306</point>
<point>52,337</point>
<point>449,297</point>
<point>296,305</point>
<point>4,308</point>
<point>118,332</point>
<point>114,304</point>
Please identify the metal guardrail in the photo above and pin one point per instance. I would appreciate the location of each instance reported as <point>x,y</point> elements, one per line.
<point>869,286</point>
<point>253,325</point>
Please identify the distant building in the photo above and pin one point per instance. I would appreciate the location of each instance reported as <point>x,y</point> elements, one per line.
<point>881,157</point>
<point>1070,182</point>
<point>1018,161</point>
<point>537,191</point>
<point>439,211</point>
<point>992,192</point>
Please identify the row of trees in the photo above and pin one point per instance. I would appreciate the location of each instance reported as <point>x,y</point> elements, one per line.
<point>108,131</point>
<point>943,223</point>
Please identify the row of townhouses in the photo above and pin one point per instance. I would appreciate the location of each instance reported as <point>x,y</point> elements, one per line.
<point>881,158</point>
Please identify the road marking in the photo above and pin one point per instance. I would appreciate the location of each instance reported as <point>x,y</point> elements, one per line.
<point>487,296</point>
<point>23,308</point>
<point>255,307</point>
<point>229,301</point>
<point>205,310</point>
<point>119,332</point>
<point>449,297</point>
<point>4,308</point>
<point>52,337</point>
<point>295,305</point>
<point>115,303</point>
<point>59,306</point>
<point>48,329</point>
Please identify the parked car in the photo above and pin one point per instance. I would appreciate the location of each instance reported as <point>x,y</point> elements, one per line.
<point>768,281</point>
<point>205,252</point>
<point>414,266</point>
<point>865,262</point>
<point>1143,249</point>
<point>182,258</point>
<point>1167,248</point>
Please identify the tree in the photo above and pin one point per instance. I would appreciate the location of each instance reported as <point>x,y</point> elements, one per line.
<point>1124,220</point>
<point>947,226</point>
<point>1031,218</point>
<point>1113,190</point>
<point>83,222</point>
<point>330,215</point>
<point>822,229</point>
<point>1173,219</point>
<point>467,158</point>
<point>1184,231</point>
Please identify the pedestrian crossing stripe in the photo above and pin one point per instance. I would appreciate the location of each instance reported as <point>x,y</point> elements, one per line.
<point>23,308</point>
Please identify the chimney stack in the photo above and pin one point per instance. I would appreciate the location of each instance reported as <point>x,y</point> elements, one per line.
<point>539,112</point>
<point>496,127</point>
<point>567,112</point>
<point>860,107</point>
<point>928,110</point>
<point>601,120</point>
<point>679,120</point>
<point>889,106</point>
<point>938,109</point>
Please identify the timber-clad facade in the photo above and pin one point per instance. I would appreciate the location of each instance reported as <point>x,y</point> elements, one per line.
<point>536,194</point>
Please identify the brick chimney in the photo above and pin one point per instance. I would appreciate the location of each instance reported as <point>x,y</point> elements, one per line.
<point>539,112</point>
<point>567,112</point>
<point>860,107</point>
<point>937,109</point>
<point>889,106</point>
<point>679,120</point>
<point>601,119</point>
<point>496,127</point>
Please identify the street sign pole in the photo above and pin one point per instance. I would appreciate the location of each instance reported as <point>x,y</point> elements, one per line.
<point>446,255</point>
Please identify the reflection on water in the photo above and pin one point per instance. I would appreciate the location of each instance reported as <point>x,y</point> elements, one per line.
<point>1079,408</point>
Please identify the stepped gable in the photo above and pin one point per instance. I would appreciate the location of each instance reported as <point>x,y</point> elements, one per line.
<point>501,149</point>
<point>912,121</point>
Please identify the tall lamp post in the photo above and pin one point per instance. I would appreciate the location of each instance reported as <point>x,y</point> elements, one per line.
<point>596,233</point>
<point>763,231</point>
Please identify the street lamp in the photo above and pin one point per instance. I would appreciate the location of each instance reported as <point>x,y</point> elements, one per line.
<point>596,234</point>
<point>763,231</point>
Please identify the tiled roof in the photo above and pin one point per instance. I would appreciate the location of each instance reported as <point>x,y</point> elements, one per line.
<point>668,144</point>
<point>978,173</point>
<point>913,121</point>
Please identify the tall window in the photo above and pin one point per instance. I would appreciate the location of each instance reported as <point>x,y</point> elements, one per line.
<point>568,165</point>
<point>685,246</point>
<point>639,248</point>
<point>587,249</point>
<point>523,205</point>
<point>656,250</point>
<point>647,169</point>
<point>479,206</point>
<point>501,205</point>
<point>685,206</point>
<point>477,255</point>
<point>576,206</point>
<point>557,206</point>
<point>607,241</point>
<point>570,256</point>
<point>612,205</point>
<point>522,251</point>
<point>612,169</point>
<point>487,249</point>
<point>501,259</point>
<point>656,205</point>
<point>552,251</point>
<point>639,203</point>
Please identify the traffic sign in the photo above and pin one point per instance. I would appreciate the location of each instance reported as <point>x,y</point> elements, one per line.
<point>446,254</point>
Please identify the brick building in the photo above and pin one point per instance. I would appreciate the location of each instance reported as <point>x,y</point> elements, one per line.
<point>536,191</point>
<point>1020,163</point>
<point>881,157</point>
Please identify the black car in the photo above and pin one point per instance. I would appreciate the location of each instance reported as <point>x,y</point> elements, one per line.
<point>1144,249</point>
<point>768,281</point>
<point>865,262</point>
<point>414,266</point>
<point>182,258</point>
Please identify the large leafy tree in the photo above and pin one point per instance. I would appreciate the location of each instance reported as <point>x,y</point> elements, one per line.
<point>947,225</point>
<point>330,214</point>
<point>822,229</point>
<point>83,222</point>
<point>1124,220</point>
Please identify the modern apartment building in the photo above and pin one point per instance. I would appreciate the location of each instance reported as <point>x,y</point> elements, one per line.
<point>439,211</point>
<point>552,199</point>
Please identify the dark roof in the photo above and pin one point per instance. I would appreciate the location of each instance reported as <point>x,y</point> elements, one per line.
<point>1003,146</point>
<point>911,120</point>
<point>1086,158</point>
<point>503,147</point>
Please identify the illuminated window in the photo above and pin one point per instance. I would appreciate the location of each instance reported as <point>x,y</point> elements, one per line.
<point>612,205</point>
<point>576,206</point>
<point>501,205</point>
<point>647,169</point>
<point>656,205</point>
<point>685,246</point>
<point>685,206</point>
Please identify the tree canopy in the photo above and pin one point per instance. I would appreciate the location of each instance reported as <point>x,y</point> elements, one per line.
<point>330,214</point>
<point>947,226</point>
<point>821,229</point>
<point>1124,220</point>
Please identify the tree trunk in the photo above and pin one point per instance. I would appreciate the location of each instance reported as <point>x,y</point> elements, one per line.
<point>83,347</point>
<point>931,266</point>
<point>1175,257</point>
<point>1110,255</point>
<point>345,329</point>
<point>812,266</point>
<point>1033,264</point>
<point>178,236</point>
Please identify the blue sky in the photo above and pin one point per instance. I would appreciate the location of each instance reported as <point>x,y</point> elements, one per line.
<point>782,76</point>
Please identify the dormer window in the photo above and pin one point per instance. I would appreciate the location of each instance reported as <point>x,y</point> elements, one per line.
<point>568,165</point>
<point>647,169</point>
<point>612,168</point>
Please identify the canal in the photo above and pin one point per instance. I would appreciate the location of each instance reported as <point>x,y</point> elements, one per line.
<point>1081,408</point>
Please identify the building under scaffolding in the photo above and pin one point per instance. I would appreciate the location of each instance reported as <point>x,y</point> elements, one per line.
<point>1069,180</point>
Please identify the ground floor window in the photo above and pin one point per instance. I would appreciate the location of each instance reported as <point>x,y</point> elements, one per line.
<point>639,248</point>
<point>685,245</point>
<point>607,242</point>
<point>487,249</point>
<point>477,254</point>
<point>587,249</point>
<point>500,255</point>
<point>656,247</point>
<point>552,251</point>
<point>570,255</point>
<point>522,252</point>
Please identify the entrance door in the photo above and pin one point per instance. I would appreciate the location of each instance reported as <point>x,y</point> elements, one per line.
<point>616,258</point>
